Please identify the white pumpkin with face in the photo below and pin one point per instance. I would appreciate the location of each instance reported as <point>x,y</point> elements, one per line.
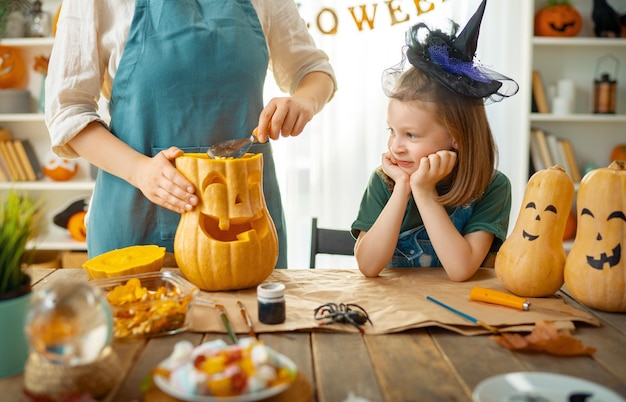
<point>60,169</point>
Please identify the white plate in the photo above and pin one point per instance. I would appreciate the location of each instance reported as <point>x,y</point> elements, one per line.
<point>541,387</point>
<point>166,386</point>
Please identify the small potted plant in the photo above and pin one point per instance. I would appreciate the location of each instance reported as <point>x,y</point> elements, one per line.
<point>17,222</point>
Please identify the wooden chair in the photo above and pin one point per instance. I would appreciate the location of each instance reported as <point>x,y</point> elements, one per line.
<point>330,241</point>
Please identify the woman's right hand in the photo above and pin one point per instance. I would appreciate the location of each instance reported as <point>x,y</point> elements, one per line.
<point>162,184</point>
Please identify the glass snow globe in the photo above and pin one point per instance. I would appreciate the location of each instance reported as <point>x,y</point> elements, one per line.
<point>69,323</point>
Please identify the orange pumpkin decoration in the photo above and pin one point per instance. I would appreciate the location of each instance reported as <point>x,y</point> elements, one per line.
<point>595,269</point>
<point>12,68</point>
<point>531,260</point>
<point>558,19</point>
<point>618,153</point>
<point>229,240</point>
<point>76,226</point>
<point>60,169</point>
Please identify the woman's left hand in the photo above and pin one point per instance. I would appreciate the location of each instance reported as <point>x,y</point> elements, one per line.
<point>162,184</point>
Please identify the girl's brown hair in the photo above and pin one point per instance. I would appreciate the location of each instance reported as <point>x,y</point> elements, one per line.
<point>466,121</point>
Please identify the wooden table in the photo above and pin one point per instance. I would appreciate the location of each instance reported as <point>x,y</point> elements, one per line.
<point>429,364</point>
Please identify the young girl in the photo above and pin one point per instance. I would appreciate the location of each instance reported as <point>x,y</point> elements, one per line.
<point>436,199</point>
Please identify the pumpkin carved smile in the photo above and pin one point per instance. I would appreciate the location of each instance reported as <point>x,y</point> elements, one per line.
<point>612,260</point>
<point>235,232</point>
<point>563,27</point>
<point>528,236</point>
<point>6,70</point>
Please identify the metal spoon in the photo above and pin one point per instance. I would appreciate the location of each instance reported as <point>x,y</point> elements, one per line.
<point>231,148</point>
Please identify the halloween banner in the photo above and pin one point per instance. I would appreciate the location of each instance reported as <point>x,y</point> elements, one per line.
<point>338,16</point>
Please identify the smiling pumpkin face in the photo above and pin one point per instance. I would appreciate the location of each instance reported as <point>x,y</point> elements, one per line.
<point>538,220</point>
<point>559,20</point>
<point>595,270</point>
<point>11,67</point>
<point>229,240</point>
<point>530,261</point>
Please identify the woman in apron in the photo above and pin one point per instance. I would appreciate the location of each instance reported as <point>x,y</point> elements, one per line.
<point>179,76</point>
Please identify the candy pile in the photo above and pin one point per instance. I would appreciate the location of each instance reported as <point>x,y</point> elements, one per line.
<point>138,310</point>
<point>217,369</point>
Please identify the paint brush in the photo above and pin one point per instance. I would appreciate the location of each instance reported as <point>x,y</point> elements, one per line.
<point>229,329</point>
<point>466,316</point>
<point>246,318</point>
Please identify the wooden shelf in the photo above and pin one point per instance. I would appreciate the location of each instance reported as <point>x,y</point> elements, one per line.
<point>56,239</point>
<point>579,41</point>
<point>21,117</point>
<point>578,118</point>
<point>28,42</point>
<point>49,185</point>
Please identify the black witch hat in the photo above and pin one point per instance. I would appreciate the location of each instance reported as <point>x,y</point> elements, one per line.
<point>450,59</point>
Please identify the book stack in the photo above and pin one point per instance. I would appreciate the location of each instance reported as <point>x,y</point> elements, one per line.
<point>18,160</point>
<point>547,150</point>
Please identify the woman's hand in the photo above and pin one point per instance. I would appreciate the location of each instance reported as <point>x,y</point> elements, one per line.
<point>431,170</point>
<point>287,116</point>
<point>162,184</point>
<point>284,116</point>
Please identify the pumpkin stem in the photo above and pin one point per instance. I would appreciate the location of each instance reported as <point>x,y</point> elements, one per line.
<point>558,167</point>
<point>558,3</point>
<point>618,165</point>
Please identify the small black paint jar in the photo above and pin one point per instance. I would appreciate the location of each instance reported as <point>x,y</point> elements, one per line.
<point>271,303</point>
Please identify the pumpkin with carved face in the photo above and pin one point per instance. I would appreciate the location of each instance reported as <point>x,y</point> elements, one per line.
<point>11,67</point>
<point>595,269</point>
<point>229,240</point>
<point>558,19</point>
<point>531,260</point>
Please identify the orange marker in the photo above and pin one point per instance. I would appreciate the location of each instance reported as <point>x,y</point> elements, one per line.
<point>496,297</point>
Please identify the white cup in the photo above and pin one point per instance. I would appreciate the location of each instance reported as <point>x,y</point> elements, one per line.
<point>566,89</point>
<point>562,105</point>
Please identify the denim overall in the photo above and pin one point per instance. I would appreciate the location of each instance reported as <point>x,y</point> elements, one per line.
<point>414,248</point>
<point>191,74</point>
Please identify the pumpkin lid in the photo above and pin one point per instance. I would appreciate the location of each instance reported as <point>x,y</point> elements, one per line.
<point>450,60</point>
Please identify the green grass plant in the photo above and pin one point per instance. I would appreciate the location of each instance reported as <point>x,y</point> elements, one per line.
<point>18,216</point>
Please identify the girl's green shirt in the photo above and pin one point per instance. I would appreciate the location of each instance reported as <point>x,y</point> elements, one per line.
<point>491,211</point>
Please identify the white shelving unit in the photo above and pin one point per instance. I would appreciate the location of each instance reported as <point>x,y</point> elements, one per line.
<point>55,196</point>
<point>577,59</point>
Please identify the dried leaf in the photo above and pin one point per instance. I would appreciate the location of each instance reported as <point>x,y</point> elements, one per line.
<point>545,337</point>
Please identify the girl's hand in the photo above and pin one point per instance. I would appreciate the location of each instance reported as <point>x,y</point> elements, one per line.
<point>285,116</point>
<point>162,184</point>
<point>391,169</point>
<point>432,169</point>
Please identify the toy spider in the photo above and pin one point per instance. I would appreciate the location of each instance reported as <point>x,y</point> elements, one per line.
<point>349,313</point>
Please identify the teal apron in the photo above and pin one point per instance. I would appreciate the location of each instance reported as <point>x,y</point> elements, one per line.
<point>192,74</point>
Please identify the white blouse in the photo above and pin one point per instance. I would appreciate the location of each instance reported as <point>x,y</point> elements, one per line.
<point>90,40</point>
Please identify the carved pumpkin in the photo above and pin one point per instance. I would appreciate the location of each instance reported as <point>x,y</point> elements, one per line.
<point>531,260</point>
<point>558,19</point>
<point>11,67</point>
<point>229,240</point>
<point>595,269</point>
